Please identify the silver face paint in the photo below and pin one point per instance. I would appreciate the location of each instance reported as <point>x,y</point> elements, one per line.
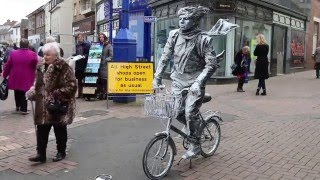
<point>186,23</point>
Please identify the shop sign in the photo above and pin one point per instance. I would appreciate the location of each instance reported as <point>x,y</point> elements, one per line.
<point>84,27</point>
<point>225,6</point>
<point>150,19</point>
<point>130,77</point>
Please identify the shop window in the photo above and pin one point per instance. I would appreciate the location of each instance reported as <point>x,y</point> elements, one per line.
<point>297,48</point>
<point>246,36</point>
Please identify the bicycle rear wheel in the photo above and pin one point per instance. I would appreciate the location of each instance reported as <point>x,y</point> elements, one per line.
<point>210,137</point>
<point>158,157</point>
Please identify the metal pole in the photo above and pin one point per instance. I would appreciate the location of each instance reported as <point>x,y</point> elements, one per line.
<point>125,14</point>
<point>110,20</point>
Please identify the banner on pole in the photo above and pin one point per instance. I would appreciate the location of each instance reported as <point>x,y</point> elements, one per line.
<point>130,77</point>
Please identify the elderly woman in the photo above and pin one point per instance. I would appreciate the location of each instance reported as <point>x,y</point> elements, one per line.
<point>242,59</point>
<point>54,95</point>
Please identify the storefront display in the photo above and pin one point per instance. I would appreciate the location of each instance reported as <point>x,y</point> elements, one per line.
<point>297,48</point>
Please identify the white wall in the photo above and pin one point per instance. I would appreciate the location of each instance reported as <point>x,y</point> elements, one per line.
<point>16,35</point>
<point>61,24</point>
<point>47,19</point>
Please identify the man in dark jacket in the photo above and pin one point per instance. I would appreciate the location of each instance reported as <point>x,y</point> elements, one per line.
<point>82,48</point>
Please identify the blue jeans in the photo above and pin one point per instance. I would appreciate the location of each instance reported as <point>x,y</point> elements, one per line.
<point>262,84</point>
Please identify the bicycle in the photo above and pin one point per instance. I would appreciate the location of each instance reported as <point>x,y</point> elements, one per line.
<point>164,106</point>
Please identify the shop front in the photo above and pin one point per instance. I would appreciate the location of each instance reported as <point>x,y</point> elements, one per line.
<point>253,18</point>
<point>86,27</point>
<point>104,19</point>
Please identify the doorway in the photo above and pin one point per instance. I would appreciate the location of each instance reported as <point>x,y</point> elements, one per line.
<point>277,65</point>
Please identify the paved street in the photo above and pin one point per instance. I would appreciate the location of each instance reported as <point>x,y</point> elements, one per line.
<point>271,137</point>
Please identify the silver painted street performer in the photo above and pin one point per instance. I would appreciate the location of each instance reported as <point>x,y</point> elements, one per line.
<point>195,61</point>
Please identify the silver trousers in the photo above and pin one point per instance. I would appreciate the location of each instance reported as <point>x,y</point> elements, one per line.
<point>189,110</point>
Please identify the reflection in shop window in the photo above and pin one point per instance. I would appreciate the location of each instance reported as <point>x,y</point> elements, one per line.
<point>246,36</point>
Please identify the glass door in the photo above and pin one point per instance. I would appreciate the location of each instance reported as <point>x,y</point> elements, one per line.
<point>277,63</point>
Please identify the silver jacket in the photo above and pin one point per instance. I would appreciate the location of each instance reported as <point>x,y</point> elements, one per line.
<point>195,56</point>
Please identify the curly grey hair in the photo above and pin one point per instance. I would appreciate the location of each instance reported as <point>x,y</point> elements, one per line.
<point>193,12</point>
<point>52,46</point>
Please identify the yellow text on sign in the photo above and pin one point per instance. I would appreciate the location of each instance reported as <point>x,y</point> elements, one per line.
<point>130,78</point>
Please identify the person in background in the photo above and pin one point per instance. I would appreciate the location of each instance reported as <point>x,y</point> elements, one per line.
<point>40,53</point>
<point>9,48</point>
<point>55,82</point>
<point>241,71</point>
<point>107,55</point>
<point>31,47</point>
<point>20,69</point>
<point>82,48</point>
<point>15,47</point>
<point>49,39</point>
<point>262,63</point>
<point>316,58</point>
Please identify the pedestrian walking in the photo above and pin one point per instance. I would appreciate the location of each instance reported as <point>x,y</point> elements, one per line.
<point>316,58</point>
<point>7,52</point>
<point>262,63</point>
<point>241,71</point>
<point>54,95</point>
<point>107,55</point>
<point>20,70</point>
<point>40,53</point>
<point>82,48</point>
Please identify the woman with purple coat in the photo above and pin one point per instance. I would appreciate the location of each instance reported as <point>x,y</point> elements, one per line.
<point>21,70</point>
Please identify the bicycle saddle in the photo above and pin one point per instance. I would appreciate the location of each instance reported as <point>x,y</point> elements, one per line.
<point>207,97</point>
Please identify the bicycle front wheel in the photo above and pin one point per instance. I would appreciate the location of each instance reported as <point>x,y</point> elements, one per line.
<point>158,157</point>
<point>210,137</point>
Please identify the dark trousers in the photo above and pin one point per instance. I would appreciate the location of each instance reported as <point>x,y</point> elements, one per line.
<point>240,83</point>
<point>262,84</point>
<point>60,132</point>
<point>21,102</point>
<point>102,86</point>
<point>80,77</point>
<point>317,66</point>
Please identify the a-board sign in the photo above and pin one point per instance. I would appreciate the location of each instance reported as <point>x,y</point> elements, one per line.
<point>130,77</point>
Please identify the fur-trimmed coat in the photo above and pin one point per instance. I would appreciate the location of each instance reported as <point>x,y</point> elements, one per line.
<point>58,80</point>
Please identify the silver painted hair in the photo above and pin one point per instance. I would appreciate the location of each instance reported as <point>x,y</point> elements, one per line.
<point>53,47</point>
<point>193,12</point>
<point>50,39</point>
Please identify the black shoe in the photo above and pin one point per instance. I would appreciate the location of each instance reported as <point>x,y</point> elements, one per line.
<point>264,93</point>
<point>17,109</point>
<point>38,158</point>
<point>59,157</point>
<point>240,90</point>
<point>257,93</point>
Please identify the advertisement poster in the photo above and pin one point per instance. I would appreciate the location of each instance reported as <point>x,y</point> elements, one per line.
<point>130,78</point>
<point>92,69</point>
<point>94,58</point>
<point>297,48</point>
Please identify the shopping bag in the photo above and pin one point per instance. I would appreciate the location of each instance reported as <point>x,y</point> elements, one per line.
<point>4,90</point>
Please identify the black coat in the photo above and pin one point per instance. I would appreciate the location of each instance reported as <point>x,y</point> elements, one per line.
<point>240,69</point>
<point>262,64</point>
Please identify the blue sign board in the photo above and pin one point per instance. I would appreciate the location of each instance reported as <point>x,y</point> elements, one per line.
<point>150,19</point>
